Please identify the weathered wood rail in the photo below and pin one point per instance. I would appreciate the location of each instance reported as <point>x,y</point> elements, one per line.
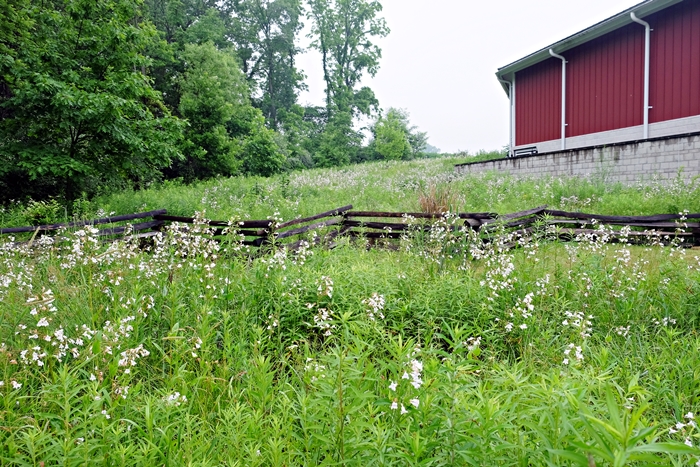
<point>261,232</point>
<point>324,227</point>
<point>137,230</point>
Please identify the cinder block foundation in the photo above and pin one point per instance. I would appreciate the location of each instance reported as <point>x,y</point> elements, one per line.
<point>631,162</point>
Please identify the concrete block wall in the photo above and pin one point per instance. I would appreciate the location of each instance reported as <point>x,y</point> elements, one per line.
<point>627,163</point>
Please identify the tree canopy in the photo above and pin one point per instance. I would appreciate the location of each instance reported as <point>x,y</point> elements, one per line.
<point>395,138</point>
<point>77,109</point>
<point>342,31</point>
<point>98,95</point>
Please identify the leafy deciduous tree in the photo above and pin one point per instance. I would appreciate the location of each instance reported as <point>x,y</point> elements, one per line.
<point>79,111</point>
<point>260,152</point>
<point>391,138</point>
<point>339,142</point>
<point>266,33</point>
<point>395,138</point>
<point>342,31</point>
<point>213,90</point>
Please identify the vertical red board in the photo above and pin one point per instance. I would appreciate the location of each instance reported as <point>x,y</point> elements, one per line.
<point>605,82</point>
<point>674,90</point>
<point>538,103</point>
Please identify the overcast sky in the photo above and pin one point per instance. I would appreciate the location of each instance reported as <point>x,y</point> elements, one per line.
<point>440,59</point>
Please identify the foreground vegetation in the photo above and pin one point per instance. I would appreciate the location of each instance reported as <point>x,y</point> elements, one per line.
<point>446,352</point>
<point>193,355</point>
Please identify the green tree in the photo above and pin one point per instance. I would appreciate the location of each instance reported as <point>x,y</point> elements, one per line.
<point>301,127</point>
<point>205,81</point>
<point>77,110</point>
<point>14,32</point>
<point>181,22</point>
<point>225,134</point>
<point>260,152</point>
<point>395,138</point>
<point>391,138</point>
<point>265,33</point>
<point>339,143</point>
<point>190,21</point>
<point>342,31</point>
<point>212,91</point>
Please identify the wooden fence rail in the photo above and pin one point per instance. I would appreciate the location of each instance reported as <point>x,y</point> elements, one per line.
<point>70,225</point>
<point>343,221</point>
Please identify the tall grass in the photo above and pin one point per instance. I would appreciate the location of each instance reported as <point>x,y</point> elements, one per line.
<point>376,186</point>
<point>449,351</point>
<point>398,186</point>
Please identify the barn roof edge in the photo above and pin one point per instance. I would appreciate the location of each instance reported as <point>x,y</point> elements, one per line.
<point>617,21</point>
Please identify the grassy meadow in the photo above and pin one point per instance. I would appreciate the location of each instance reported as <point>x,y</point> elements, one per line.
<point>449,351</point>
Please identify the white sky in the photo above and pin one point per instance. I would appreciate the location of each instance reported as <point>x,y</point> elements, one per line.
<point>440,59</point>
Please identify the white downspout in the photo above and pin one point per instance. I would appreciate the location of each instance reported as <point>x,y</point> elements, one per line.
<point>514,120</point>
<point>511,141</point>
<point>563,97</point>
<point>647,46</point>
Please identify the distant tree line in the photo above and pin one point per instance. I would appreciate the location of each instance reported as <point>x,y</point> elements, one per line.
<point>98,95</point>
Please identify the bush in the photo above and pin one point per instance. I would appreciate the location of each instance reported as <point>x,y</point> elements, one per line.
<point>260,153</point>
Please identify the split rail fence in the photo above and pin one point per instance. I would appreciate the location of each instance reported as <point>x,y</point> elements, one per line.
<point>325,227</point>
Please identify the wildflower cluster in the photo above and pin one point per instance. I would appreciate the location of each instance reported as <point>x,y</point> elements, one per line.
<point>686,431</point>
<point>275,220</point>
<point>578,321</point>
<point>183,243</point>
<point>278,260</point>
<point>412,375</point>
<point>130,357</point>
<point>314,370</point>
<point>472,343</point>
<point>175,399</point>
<point>302,252</point>
<point>375,306</point>
<point>83,247</point>
<point>596,240</point>
<point>578,353</point>
<point>500,267</point>
<point>523,310</point>
<point>664,322</point>
<point>581,324</point>
<point>323,319</point>
<point>234,238</point>
<point>45,339</point>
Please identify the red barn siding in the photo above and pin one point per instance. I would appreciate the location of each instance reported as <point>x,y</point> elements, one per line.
<point>605,82</point>
<point>674,90</point>
<point>538,103</point>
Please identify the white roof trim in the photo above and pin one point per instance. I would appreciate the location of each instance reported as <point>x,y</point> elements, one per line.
<point>615,22</point>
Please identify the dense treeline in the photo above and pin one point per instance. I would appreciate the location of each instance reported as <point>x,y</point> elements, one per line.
<point>98,95</point>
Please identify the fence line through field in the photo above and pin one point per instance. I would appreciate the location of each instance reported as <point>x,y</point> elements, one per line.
<point>376,225</point>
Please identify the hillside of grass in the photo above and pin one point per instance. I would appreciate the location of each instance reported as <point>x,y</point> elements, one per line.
<point>448,351</point>
<point>399,186</point>
<point>381,186</point>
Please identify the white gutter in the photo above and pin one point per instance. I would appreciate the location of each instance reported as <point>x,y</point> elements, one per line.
<point>511,141</point>
<point>563,97</point>
<point>647,40</point>
<point>613,23</point>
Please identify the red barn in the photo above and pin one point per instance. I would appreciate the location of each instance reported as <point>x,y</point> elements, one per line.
<point>633,77</point>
